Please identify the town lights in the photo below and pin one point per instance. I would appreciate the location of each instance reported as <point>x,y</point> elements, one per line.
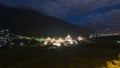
<point>80,38</point>
<point>6,37</point>
<point>60,40</point>
<point>47,40</point>
<point>68,36</point>
<point>69,39</point>
<point>57,44</point>
<point>53,40</point>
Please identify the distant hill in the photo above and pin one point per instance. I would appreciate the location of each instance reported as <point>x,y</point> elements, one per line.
<point>29,22</point>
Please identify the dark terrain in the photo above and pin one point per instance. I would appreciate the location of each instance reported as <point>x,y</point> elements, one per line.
<point>73,57</point>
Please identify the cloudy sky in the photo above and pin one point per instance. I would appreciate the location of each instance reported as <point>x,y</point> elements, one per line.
<point>83,12</point>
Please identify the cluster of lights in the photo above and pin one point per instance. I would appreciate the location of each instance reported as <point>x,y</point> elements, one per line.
<point>19,40</point>
<point>63,41</point>
<point>4,36</point>
<point>103,34</point>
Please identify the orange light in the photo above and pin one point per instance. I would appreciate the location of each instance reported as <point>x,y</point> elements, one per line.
<point>80,38</point>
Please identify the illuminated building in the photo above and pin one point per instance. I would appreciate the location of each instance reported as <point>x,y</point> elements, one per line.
<point>46,41</point>
<point>80,38</point>
<point>69,39</point>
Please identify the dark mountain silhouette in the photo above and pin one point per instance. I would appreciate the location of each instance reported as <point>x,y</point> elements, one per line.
<point>29,22</point>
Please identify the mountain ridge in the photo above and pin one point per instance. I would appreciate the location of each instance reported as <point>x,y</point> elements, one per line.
<point>29,22</point>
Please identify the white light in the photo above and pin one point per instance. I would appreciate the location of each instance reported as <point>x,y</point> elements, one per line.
<point>118,41</point>
<point>46,43</point>
<point>57,44</point>
<point>71,42</point>
<point>21,44</point>
<point>0,45</point>
<point>80,38</point>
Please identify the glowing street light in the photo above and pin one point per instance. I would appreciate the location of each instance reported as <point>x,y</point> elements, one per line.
<point>68,36</point>
<point>53,40</point>
<point>47,40</point>
<point>61,40</point>
<point>80,38</point>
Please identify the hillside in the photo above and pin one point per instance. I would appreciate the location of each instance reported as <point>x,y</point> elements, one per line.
<point>29,22</point>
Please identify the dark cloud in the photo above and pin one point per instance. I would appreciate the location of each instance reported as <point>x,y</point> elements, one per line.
<point>60,8</point>
<point>53,9</point>
<point>108,18</point>
<point>94,19</point>
<point>114,16</point>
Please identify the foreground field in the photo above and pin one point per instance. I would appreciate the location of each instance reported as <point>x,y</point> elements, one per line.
<point>74,57</point>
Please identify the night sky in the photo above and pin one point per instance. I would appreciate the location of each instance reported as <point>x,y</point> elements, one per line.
<point>83,12</point>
